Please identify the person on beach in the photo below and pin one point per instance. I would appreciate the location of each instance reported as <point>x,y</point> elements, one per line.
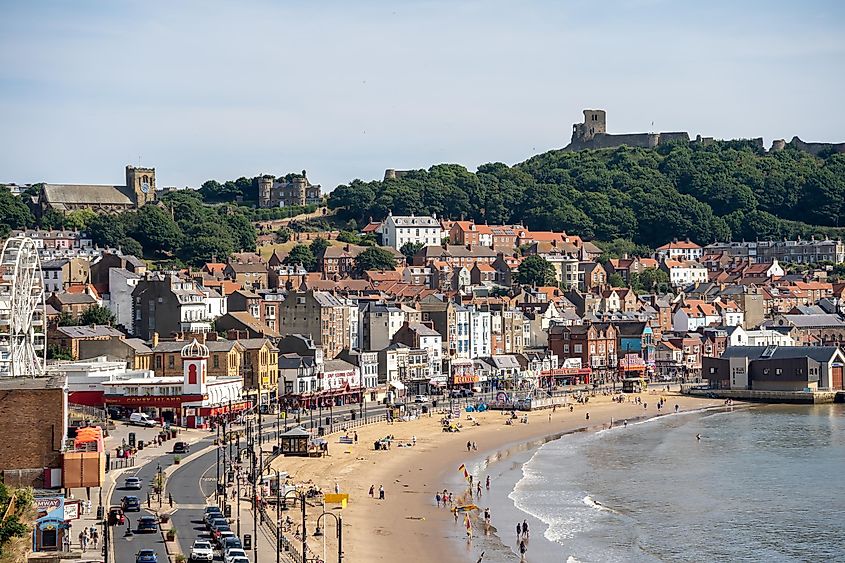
<point>372,491</point>
<point>474,446</point>
<point>488,482</point>
<point>525,529</point>
<point>588,416</point>
<point>381,492</point>
<point>469,445</point>
<point>522,550</point>
<point>437,498</point>
<point>355,437</point>
<point>571,408</point>
<point>456,516</point>
<point>470,482</point>
<point>414,440</point>
<point>698,437</point>
<point>518,531</point>
<point>676,409</point>
<point>478,490</point>
<point>625,424</point>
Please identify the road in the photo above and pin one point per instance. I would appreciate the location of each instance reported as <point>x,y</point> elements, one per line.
<point>194,481</point>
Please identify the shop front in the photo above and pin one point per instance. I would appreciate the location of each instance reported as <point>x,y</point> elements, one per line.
<point>563,377</point>
<point>51,524</point>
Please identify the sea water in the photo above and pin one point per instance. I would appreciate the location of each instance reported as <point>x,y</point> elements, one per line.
<point>761,484</point>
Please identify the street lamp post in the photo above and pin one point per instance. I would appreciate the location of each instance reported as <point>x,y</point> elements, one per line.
<point>304,530</point>
<point>339,522</point>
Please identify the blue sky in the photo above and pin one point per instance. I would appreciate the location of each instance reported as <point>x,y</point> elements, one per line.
<point>345,89</point>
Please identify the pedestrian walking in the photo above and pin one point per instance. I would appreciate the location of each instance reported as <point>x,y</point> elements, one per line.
<point>355,437</point>
<point>437,498</point>
<point>525,529</point>
<point>588,416</point>
<point>478,490</point>
<point>474,446</point>
<point>518,531</point>
<point>381,492</point>
<point>522,550</point>
<point>372,491</point>
<point>469,445</point>
<point>488,482</point>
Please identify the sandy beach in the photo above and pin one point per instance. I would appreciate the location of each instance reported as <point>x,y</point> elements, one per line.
<point>407,525</point>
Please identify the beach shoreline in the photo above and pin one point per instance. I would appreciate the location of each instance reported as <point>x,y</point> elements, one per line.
<point>408,522</point>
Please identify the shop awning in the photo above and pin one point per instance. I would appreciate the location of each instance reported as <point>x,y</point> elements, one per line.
<point>397,385</point>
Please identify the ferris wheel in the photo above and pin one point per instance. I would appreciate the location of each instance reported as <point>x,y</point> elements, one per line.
<point>23,323</point>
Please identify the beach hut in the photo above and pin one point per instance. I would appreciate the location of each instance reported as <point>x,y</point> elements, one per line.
<point>295,441</point>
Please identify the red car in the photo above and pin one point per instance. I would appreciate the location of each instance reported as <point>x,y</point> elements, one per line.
<point>116,517</point>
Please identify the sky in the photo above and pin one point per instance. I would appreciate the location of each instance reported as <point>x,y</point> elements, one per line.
<point>344,89</point>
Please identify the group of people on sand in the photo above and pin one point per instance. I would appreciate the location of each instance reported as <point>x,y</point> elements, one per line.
<point>522,536</point>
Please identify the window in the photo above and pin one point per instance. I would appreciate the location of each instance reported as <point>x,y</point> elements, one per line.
<point>215,361</point>
<point>171,361</point>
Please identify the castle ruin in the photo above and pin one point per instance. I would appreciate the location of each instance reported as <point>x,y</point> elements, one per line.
<point>592,134</point>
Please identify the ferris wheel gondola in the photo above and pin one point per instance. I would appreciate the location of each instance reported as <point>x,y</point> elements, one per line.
<point>23,323</point>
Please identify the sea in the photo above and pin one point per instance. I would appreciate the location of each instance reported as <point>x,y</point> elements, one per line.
<point>759,483</point>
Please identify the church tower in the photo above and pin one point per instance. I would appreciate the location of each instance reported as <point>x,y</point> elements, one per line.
<point>194,368</point>
<point>141,184</point>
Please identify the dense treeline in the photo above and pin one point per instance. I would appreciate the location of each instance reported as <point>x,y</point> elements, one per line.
<point>720,191</point>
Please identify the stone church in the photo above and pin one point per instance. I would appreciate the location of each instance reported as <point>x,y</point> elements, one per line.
<point>140,189</point>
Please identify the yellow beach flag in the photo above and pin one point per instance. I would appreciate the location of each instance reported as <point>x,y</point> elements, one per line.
<point>463,469</point>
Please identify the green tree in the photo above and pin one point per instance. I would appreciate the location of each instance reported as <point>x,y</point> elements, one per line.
<point>410,249</point>
<point>319,246</point>
<point>14,214</point>
<point>283,235</point>
<point>243,232</point>
<point>79,219</point>
<point>303,256</point>
<point>107,231</point>
<point>97,315</point>
<point>616,280</point>
<point>66,319</point>
<point>651,280</point>
<point>375,258</point>
<point>130,246</point>
<point>349,237</point>
<point>536,271</point>
<point>156,230</point>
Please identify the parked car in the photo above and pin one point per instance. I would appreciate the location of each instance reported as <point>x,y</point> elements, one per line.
<point>146,556</point>
<point>420,399</point>
<point>228,543</point>
<point>116,517</point>
<point>224,536</point>
<point>141,419</point>
<point>239,560</point>
<point>147,524</point>
<point>180,448</point>
<point>131,504</point>
<point>216,522</point>
<point>132,483</point>
<point>211,513</point>
<point>233,554</point>
<point>202,551</point>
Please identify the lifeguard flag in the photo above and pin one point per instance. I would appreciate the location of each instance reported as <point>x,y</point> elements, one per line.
<point>463,469</point>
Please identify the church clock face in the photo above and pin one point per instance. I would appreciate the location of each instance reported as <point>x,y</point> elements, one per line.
<point>145,187</point>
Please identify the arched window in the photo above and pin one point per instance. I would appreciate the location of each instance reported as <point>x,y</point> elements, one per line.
<point>192,374</point>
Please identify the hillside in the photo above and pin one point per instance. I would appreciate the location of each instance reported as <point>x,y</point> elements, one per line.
<point>724,190</point>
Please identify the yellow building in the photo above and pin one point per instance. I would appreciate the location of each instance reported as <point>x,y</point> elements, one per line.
<point>260,369</point>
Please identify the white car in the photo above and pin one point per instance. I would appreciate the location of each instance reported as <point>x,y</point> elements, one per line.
<point>202,551</point>
<point>233,554</point>
<point>420,399</point>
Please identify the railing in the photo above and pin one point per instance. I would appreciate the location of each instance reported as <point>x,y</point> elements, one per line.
<point>87,411</point>
<point>121,463</point>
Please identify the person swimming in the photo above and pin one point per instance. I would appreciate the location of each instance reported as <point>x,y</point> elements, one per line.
<point>698,437</point>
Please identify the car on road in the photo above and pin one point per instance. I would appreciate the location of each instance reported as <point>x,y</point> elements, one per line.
<point>233,553</point>
<point>147,524</point>
<point>132,483</point>
<point>141,419</point>
<point>420,399</point>
<point>239,560</point>
<point>116,517</point>
<point>216,522</point>
<point>180,448</point>
<point>211,513</point>
<point>131,504</point>
<point>146,556</point>
<point>202,551</point>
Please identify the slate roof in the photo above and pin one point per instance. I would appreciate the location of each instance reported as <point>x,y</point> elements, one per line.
<point>86,194</point>
<point>821,354</point>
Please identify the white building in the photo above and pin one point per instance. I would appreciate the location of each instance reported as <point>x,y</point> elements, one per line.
<point>459,337</point>
<point>398,230</point>
<point>685,273</point>
<point>480,333</point>
<point>767,337</point>
<point>680,250</point>
<point>215,303</point>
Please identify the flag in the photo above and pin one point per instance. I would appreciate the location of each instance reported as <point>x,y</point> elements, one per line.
<point>468,524</point>
<point>463,469</point>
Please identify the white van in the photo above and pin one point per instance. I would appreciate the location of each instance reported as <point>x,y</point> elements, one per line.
<point>141,419</point>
